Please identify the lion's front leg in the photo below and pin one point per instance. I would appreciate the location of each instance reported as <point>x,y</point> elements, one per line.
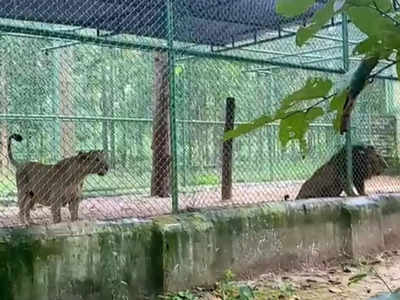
<point>73,207</point>
<point>56,211</point>
<point>360,186</point>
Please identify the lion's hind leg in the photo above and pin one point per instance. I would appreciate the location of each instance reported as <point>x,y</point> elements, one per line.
<point>56,211</point>
<point>73,207</point>
<point>25,203</point>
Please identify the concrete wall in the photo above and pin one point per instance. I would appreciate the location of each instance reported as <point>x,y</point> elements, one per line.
<point>135,259</point>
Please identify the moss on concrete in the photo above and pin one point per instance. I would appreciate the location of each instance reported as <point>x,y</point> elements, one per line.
<point>389,204</point>
<point>134,260</point>
<point>17,258</point>
<point>105,264</point>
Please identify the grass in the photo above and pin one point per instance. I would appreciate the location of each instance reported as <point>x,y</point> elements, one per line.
<point>228,289</point>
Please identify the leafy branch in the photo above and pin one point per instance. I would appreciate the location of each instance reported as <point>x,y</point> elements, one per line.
<point>385,14</point>
<point>324,99</point>
<point>383,39</point>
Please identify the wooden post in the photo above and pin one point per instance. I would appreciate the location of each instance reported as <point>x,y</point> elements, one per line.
<point>161,134</point>
<point>226,188</point>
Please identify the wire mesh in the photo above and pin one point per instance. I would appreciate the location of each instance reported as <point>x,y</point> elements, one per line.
<point>98,75</point>
<point>64,99</point>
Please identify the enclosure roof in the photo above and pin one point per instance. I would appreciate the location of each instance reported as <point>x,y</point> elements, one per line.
<point>211,22</point>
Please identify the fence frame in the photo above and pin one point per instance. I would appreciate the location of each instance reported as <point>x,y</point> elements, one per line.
<point>173,51</point>
<point>172,109</point>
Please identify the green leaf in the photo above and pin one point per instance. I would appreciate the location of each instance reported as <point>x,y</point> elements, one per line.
<point>294,124</point>
<point>368,46</point>
<point>390,39</point>
<point>337,122</point>
<point>315,87</point>
<point>356,278</point>
<point>382,47</point>
<point>384,5</point>
<point>338,101</point>
<point>293,8</point>
<point>284,133</point>
<point>383,34</point>
<point>320,18</point>
<point>337,104</point>
<point>370,21</point>
<point>294,127</point>
<point>314,113</point>
<point>245,293</point>
<point>247,127</point>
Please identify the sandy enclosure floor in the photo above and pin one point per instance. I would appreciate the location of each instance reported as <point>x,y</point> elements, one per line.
<point>111,208</point>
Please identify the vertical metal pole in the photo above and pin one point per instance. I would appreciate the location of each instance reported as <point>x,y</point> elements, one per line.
<point>184,125</point>
<point>104,100</point>
<point>348,145</point>
<point>172,110</point>
<point>111,106</point>
<point>56,102</point>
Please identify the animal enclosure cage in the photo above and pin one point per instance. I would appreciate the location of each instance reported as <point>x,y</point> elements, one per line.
<point>147,82</point>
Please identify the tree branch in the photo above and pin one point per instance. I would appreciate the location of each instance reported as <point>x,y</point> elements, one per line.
<point>393,62</point>
<point>326,98</point>
<point>381,279</point>
<point>357,84</point>
<point>321,101</point>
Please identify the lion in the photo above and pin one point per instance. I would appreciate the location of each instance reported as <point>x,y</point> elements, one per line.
<point>330,179</point>
<point>54,185</point>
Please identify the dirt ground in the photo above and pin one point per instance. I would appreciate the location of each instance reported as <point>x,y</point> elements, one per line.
<point>330,282</point>
<point>141,206</point>
<point>333,283</point>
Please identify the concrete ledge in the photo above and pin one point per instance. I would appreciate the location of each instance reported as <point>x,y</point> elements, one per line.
<point>390,209</point>
<point>132,259</point>
<point>365,216</point>
<point>81,261</point>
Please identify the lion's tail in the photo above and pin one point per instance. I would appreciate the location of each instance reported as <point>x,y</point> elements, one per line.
<point>18,138</point>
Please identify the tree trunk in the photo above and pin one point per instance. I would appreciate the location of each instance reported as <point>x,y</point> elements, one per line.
<point>3,110</point>
<point>161,133</point>
<point>227,151</point>
<point>66,103</point>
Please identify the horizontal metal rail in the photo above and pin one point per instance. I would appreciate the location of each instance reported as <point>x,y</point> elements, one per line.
<point>35,117</point>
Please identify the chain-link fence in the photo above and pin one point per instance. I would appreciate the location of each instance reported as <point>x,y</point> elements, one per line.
<point>147,83</point>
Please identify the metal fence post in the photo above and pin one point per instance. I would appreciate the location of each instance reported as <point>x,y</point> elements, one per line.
<point>172,110</point>
<point>56,103</point>
<point>348,144</point>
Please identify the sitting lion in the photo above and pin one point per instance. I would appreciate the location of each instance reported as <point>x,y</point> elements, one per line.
<point>54,185</point>
<point>330,179</point>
